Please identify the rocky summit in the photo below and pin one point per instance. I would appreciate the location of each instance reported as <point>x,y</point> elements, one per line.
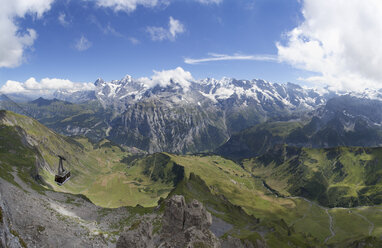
<point>182,225</point>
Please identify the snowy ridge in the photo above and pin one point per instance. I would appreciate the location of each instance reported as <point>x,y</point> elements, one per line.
<point>120,93</point>
<point>261,91</point>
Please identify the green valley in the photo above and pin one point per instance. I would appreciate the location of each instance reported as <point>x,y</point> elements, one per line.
<point>238,194</point>
<point>334,177</point>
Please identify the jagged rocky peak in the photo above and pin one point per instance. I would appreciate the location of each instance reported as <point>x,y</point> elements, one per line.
<point>180,216</point>
<point>183,225</point>
<point>126,78</point>
<point>124,81</point>
<point>99,82</point>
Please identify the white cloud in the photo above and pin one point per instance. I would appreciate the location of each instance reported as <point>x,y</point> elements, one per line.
<point>209,1</point>
<point>14,40</point>
<point>83,44</point>
<point>62,19</point>
<point>175,27</point>
<point>339,40</point>
<point>129,5</point>
<point>46,87</point>
<point>158,33</point>
<point>225,57</point>
<point>133,40</point>
<point>164,78</point>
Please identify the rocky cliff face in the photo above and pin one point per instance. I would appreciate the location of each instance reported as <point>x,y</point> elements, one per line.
<point>199,115</point>
<point>183,225</point>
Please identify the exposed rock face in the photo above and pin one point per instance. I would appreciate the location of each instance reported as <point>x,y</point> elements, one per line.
<point>173,218</point>
<point>141,237</point>
<point>196,215</point>
<point>31,219</point>
<point>184,225</point>
<point>7,239</point>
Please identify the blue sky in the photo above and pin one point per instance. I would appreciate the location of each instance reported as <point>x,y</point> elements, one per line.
<point>120,44</point>
<point>302,41</point>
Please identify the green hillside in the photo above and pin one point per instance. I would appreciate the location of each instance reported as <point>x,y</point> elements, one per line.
<point>334,177</point>
<point>97,169</point>
<point>258,139</point>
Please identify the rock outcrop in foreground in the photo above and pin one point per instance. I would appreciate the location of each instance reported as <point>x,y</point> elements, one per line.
<point>183,225</point>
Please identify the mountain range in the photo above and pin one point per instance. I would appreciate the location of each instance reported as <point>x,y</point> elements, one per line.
<point>201,116</point>
<point>177,117</point>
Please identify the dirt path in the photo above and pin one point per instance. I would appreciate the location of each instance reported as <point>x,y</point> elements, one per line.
<point>331,225</point>
<point>331,229</point>
<point>371,224</point>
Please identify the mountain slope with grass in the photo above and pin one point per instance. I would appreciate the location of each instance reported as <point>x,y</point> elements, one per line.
<point>98,169</point>
<point>343,121</point>
<point>257,140</point>
<point>333,177</point>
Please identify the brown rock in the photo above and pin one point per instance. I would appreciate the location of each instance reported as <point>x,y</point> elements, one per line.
<point>173,218</point>
<point>196,215</point>
<point>140,237</point>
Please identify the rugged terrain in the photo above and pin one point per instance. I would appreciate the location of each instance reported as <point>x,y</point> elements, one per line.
<point>342,121</point>
<point>250,204</point>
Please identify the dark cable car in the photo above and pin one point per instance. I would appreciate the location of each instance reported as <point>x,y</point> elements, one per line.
<point>63,175</point>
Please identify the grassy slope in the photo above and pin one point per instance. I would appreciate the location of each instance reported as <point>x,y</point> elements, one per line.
<point>16,158</point>
<point>257,140</point>
<point>309,222</point>
<point>318,174</point>
<point>341,176</point>
<point>99,174</point>
<point>96,169</point>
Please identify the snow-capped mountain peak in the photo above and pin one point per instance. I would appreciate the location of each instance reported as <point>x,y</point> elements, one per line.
<point>256,92</point>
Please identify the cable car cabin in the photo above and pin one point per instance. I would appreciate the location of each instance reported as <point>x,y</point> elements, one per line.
<point>63,175</point>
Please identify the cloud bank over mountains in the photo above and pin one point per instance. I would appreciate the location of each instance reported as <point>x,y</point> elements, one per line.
<point>164,78</point>
<point>47,86</point>
<point>340,41</point>
<point>44,87</point>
